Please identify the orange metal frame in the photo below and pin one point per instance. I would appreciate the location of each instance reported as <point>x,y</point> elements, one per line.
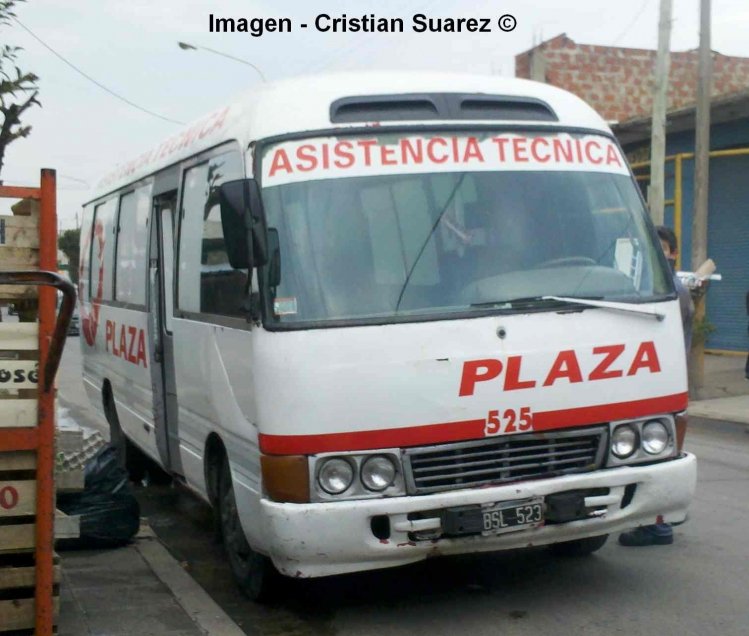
<point>42,438</point>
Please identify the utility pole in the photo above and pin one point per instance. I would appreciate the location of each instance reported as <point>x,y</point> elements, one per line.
<point>701,180</point>
<point>656,193</point>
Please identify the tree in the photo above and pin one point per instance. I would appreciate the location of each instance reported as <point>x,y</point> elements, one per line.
<point>13,82</point>
<point>69,244</point>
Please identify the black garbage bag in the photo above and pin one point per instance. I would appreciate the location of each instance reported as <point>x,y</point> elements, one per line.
<point>110,514</point>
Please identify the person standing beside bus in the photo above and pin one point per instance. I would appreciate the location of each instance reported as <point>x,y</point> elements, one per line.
<point>746,367</point>
<point>662,533</point>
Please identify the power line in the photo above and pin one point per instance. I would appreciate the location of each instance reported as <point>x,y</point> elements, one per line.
<point>91,79</point>
<point>632,23</point>
<point>186,46</point>
<point>64,176</point>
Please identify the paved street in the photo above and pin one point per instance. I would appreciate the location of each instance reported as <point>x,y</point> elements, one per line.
<point>697,586</point>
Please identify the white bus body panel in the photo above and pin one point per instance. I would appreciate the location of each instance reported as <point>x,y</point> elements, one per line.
<point>120,354</point>
<point>415,380</point>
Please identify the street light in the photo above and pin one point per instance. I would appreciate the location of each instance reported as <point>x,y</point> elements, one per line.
<point>193,47</point>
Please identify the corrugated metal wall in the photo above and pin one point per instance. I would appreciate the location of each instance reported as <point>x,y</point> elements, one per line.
<point>728,246</point>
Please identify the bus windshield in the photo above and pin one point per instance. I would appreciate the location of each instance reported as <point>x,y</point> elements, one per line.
<point>406,226</point>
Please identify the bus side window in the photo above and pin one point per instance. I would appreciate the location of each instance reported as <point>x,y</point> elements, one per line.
<point>84,266</point>
<point>131,246</point>
<point>101,263</point>
<point>207,282</point>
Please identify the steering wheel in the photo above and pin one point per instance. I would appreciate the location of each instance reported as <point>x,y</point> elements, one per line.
<point>566,261</point>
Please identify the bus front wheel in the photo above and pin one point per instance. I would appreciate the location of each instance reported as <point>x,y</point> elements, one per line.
<point>254,573</point>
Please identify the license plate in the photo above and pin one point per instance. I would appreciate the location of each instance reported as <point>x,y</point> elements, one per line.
<point>493,518</point>
<point>509,516</point>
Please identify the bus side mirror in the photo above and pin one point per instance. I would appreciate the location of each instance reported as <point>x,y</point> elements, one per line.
<point>243,223</point>
<point>274,258</point>
<point>259,227</point>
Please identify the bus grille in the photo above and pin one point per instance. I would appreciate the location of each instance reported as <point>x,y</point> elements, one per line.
<point>498,460</point>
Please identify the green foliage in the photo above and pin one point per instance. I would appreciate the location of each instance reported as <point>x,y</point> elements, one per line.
<point>18,89</point>
<point>69,244</point>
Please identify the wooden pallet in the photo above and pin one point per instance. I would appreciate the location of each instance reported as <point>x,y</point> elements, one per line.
<point>19,249</point>
<point>17,542</point>
<point>29,574</point>
<point>17,578</point>
<point>17,501</point>
<point>19,360</point>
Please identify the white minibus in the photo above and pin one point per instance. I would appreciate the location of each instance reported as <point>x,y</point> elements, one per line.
<point>375,318</point>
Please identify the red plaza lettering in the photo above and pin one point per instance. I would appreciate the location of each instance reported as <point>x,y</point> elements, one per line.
<point>126,342</point>
<point>611,353</point>
<point>565,368</point>
<point>478,371</point>
<point>512,377</point>
<point>645,358</point>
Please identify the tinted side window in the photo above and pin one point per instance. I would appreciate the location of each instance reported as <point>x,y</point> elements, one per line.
<point>131,246</point>
<point>207,282</point>
<point>84,267</point>
<point>102,251</point>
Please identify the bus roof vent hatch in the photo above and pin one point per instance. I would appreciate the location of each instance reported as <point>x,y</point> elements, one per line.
<point>503,108</point>
<point>439,106</point>
<point>384,108</point>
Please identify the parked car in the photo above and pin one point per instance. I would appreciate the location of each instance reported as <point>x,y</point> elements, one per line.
<point>74,327</point>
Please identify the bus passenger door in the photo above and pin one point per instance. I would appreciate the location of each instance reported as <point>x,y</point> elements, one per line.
<point>160,279</point>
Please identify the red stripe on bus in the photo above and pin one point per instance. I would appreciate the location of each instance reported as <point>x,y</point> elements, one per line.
<point>465,429</point>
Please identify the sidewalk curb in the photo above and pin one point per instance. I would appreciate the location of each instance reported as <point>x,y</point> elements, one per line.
<point>730,409</point>
<point>710,424</point>
<point>200,607</point>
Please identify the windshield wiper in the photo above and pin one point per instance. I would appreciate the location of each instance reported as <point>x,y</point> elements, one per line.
<point>440,216</point>
<point>607,304</point>
<point>515,303</point>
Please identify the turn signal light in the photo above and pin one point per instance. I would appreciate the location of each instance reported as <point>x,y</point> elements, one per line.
<point>681,430</point>
<point>285,478</point>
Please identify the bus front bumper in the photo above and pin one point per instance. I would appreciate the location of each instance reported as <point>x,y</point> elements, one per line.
<point>321,539</point>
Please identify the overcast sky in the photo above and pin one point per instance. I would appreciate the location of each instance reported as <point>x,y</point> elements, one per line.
<point>131,47</point>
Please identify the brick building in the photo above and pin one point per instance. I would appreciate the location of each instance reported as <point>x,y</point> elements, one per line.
<point>617,82</point>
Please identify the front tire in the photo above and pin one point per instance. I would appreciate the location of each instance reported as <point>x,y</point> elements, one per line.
<point>254,573</point>
<point>579,547</point>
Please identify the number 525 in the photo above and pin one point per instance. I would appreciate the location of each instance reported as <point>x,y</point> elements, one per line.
<point>508,422</point>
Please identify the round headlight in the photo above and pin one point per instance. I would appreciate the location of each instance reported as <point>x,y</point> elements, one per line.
<point>624,441</point>
<point>378,472</point>
<point>654,437</point>
<point>335,475</point>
